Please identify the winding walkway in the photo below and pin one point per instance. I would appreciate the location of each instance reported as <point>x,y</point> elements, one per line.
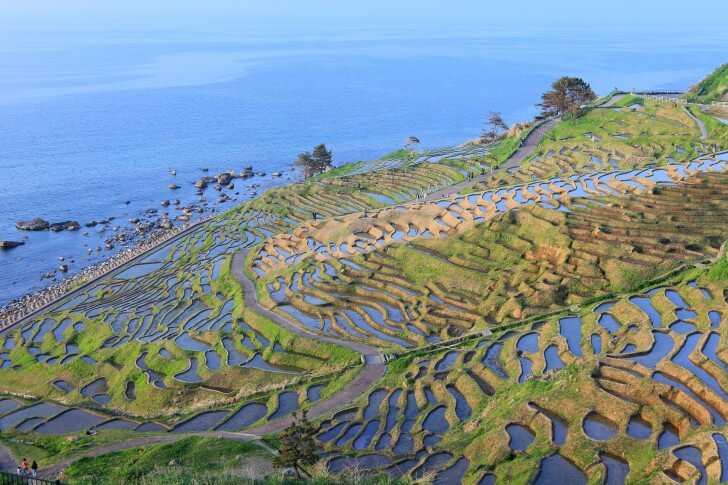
<point>374,367</point>
<point>698,121</point>
<point>374,370</point>
<point>528,145</point>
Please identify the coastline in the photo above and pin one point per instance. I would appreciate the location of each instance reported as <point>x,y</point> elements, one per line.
<point>23,309</point>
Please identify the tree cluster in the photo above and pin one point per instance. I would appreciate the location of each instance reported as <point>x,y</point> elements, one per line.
<point>316,162</point>
<point>567,96</point>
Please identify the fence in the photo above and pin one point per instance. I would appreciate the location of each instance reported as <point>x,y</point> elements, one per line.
<point>13,479</point>
<point>662,97</point>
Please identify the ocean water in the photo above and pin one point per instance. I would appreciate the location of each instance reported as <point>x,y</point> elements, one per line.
<point>90,121</point>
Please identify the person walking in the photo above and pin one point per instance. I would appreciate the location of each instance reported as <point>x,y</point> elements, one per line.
<point>34,469</point>
<point>24,465</point>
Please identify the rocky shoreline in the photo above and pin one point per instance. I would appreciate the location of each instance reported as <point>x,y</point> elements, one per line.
<point>125,237</point>
<point>16,310</point>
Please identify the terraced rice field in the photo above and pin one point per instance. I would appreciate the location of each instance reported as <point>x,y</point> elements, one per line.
<point>499,334</point>
<point>631,387</point>
<point>507,268</point>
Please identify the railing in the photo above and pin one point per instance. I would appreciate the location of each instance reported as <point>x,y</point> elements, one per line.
<point>13,479</point>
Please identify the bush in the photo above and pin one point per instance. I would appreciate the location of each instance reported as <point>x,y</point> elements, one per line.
<point>561,294</point>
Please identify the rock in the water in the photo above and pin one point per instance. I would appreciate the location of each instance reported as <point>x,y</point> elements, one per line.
<point>164,203</point>
<point>71,226</point>
<point>33,225</point>
<point>224,178</point>
<point>10,244</point>
<point>173,186</point>
<point>63,268</point>
<point>276,174</point>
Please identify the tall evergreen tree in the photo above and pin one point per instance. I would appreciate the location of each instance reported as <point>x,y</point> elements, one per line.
<point>321,157</point>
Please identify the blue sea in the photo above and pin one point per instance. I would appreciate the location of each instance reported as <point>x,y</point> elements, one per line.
<point>92,120</point>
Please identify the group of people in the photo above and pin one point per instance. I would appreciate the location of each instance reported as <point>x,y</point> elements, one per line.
<point>28,469</point>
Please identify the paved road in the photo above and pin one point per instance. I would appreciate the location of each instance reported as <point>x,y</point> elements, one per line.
<point>527,147</point>
<point>8,463</point>
<point>612,101</point>
<point>699,122</point>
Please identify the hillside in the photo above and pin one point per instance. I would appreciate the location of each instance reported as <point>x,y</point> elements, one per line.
<point>443,318</point>
<point>713,88</point>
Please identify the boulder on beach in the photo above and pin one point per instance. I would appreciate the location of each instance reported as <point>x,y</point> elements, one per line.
<point>33,225</point>
<point>10,244</point>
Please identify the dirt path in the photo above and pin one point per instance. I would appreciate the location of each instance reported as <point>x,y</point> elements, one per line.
<point>527,147</point>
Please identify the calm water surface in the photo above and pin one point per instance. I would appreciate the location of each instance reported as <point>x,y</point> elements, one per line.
<point>88,122</point>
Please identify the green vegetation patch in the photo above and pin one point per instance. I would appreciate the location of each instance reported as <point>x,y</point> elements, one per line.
<point>193,454</point>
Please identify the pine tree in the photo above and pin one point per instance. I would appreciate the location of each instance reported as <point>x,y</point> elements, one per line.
<point>495,121</point>
<point>566,96</point>
<point>321,158</point>
<point>298,447</point>
<point>306,162</point>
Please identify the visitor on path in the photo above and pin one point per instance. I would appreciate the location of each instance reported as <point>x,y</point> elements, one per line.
<point>34,469</point>
<point>24,465</point>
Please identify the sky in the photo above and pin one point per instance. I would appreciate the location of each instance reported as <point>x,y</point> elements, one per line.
<point>317,15</point>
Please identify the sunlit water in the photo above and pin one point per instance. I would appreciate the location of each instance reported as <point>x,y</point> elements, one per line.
<point>89,122</point>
